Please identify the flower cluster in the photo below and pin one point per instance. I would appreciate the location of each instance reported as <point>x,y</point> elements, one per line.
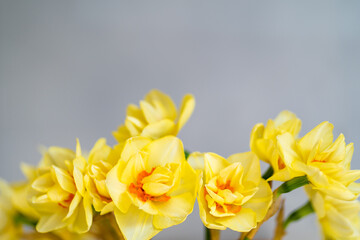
<point>326,164</point>
<point>147,182</point>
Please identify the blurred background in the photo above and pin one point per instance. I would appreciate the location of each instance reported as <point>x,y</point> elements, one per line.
<point>69,68</point>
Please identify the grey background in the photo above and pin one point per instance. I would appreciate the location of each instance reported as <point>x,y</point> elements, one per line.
<point>69,68</point>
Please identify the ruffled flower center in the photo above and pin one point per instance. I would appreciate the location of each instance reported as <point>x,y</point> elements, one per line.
<point>151,186</point>
<point>222,198</point>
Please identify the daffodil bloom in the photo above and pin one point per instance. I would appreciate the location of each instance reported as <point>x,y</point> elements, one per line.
<point>102,159</point>
<point>326,163</point>
<point>152,186</point>
<point>156,117</point>
<point>263,142</point>
<point>232,193</point>
<point>339,219</point>
<point>60,196</point>
<point>8,229</point>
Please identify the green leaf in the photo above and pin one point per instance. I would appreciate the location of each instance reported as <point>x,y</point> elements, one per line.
<point>292,184</point>
<point>269,172</point>
<point>299,213</point>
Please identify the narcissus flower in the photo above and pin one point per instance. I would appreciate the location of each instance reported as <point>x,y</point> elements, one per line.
<point>263,142</point>
<point>326,163</point>
<point>102,159</point>
<point>156,117</point>
<point>8,229</point>
<point>152,186</point>
<point>61,198</point>
<point>339,219</point>
<point>232,193</point>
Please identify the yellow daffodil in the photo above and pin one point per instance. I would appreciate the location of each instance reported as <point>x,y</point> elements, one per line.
<point>263,142</point>
<point>60,196</point>
<point>8,229</point>
<point>326,163</point>
<point>102,159</point>
<point>152,186</point>
<point>339,219</point>
<point>156,117</point>
<point>232,193</point>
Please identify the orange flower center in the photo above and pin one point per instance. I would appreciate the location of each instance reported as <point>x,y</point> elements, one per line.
<point>224,186</point>
<point>137,189</point>
<point>225,207</point>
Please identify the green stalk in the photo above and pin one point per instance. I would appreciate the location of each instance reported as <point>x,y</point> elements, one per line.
<point>290,185</point>
<point>207,234</point>
<point>299,213</point>
<point>269,172</point>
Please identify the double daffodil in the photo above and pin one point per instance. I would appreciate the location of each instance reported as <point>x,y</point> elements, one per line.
<point>156,117</point>
<point>232,193</point>
<point>263,142</point>
<point>326,163</point>
<point>152,186</point>
<point>60,196</point>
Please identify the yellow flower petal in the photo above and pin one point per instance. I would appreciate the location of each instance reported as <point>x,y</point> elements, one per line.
<point>213,165</point>
<point>348,156</point>
<point>51,222</point>
<point>117,189</point>
<point>163,103</point>
<point>81,220</point>
<point>121,134</point>
<point>250,164</point>
<point>64,180</point>
<point>186,109</point>
<point>74,205</point>
<point>243,221</point>
<point>57,194</point>
<point>158,129</point>
<point>196,160</point>
<point>136,224</point>
<point>57,156</point>
<point>256,134</point>
<point>321,132</point>
<point>284,117</point>
<point>177,206</point>
<point>208,220</point>
<point>165,150</point>
<point>261,201</point>
<point>43,183</point>
<point>132,146</point>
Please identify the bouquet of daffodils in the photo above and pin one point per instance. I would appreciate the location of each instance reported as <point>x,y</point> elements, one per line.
<point>147,182</point>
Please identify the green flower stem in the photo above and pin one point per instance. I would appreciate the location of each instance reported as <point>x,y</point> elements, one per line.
<point>269,172</point>
<point>299,213</point>
<point>207,234</point>
<point>187,153</point>
<point>290,185</point>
